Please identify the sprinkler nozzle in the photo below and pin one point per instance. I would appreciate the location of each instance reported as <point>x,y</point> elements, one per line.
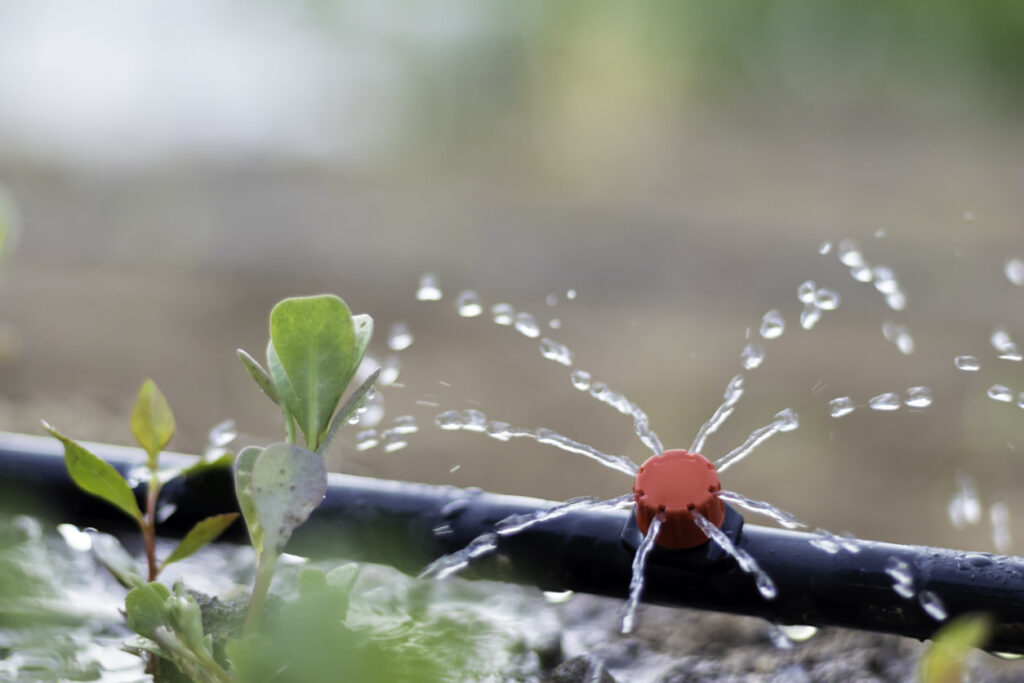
<point>675,483</point>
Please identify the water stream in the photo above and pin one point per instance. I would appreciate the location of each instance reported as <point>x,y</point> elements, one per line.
<point>636,583</point>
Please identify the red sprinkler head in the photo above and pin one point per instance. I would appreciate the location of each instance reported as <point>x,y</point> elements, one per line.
<point>674,483</point>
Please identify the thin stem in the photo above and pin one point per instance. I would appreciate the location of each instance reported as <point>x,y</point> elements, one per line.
<point>148,526</point>
<point>260,587</point>
<point>289,426</point>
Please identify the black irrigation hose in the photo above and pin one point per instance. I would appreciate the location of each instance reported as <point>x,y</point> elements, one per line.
<point>409,525</point>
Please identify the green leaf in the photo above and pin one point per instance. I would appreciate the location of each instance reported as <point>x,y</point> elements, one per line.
<point>201,534</point>
<point>353,403</point>
<point>944,660</point>
<point>146,608</point>
<point>243,490</point>
<point>261,376</point>
<point>109,552</point>
<point>284,389</point>
<point>152,420</point>
<point>315,340</point>
<point>363,325</point>
<point>288,482</point>
<point>97,476</point>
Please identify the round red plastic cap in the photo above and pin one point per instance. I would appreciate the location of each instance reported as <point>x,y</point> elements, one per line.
<point>674,483</point>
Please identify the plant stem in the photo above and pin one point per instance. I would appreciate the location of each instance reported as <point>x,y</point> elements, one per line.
<point>149,526</point>
<point>258,601</point>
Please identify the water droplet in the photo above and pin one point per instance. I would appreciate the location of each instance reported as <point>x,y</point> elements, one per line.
<point>571,294</point>
<point>1015,271</point>
<point>429,289</point>
<point>967,363</point>
<point>752,356</point>
<point>526,325</point>
<point>599,390</point>
<point>406,424</point>
<point>902,576</point>
<point>558,597</point>
<point>393,440</point>
<point>552,350</point>
<point>899,335</point>
<point>965,506</point>
<point>580,379</point>
<point>805,292</point>
<point>468,304</point>
<point>825,247</point>
<point>454,468</point>
<point>449,420</point>
<point>841,407</point>
<point>503,314</point>
<point>555,323</point>
<point>897,301</point>
<point>372,411</point>
<point>366,439</point>
<point>399,337</point>
<point>1008,656</point>
<point>999,516</point>
<point>772,324</point>
<point>798,632</point>
<point>75,538</point>
<point>886,402</point>
<point>474,421</point>
<point>826,299</point>
<point>918,397</point>
<point>879,234</point>
<point>862,273</point>
<point>885,280</point>
<point>223,434</point>
<point>551,299</point>
<point>1004,345</point>
<point>1001,393</point>
<point>389,371</point>
<point>932,605</point>
<point>849,254</point>
<point>809,316</point>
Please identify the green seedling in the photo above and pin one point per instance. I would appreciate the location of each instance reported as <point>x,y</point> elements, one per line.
<point>315,348</point>
<point>153,425</point>
<point>946,658</point>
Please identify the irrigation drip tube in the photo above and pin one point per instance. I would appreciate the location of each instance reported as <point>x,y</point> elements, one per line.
<point>409,525</point>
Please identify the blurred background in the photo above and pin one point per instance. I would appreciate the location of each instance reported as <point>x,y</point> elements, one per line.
<point>174,169</point>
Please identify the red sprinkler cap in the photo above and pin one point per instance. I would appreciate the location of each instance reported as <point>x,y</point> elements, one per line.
<point>673,483</point>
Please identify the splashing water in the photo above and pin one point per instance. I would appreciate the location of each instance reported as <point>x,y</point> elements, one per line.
<point>833,544</point>
<point>552,350</point>
<point>450,565</point>
<point>932,605</point>
<point>999,516</point>
<point>967,363</point>
<point>965,506</point>
<point>636,583</point>
<point>765,585</point>
<point>1005,346</point>
<point>798,632</point>
<point>1001,393</point>
<point>772,324</point>
<point>527,325</point>
<point>900,336</point>
<point>825,248</point>
<point>580,380</point>
<point>785,421</point>
<point>468,304</point>
<point>849,254</point>
<point>752,356</point>
<point>886,402</point>
<point>475,421</point>
<point>516,523</point>
<point>1014,271</point>
<point>918,397</point>
<point>763,508</point>
<point>399,337</point>
<point>641,423</point>
<point>733,393</point>
<point>393,440</point>
<point>503,314</point>
<point>429,289</point>
<point>841,406</point>
<point>826,299</point>
<point>405,424</point>
<point>366,439</point>
<point>902,576</point>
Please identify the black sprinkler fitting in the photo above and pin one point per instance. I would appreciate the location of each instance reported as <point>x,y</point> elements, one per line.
<point>410,525</point>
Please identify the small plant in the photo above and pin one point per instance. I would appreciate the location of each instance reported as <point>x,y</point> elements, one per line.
<point>946,657</point>
<point>315,348</point>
